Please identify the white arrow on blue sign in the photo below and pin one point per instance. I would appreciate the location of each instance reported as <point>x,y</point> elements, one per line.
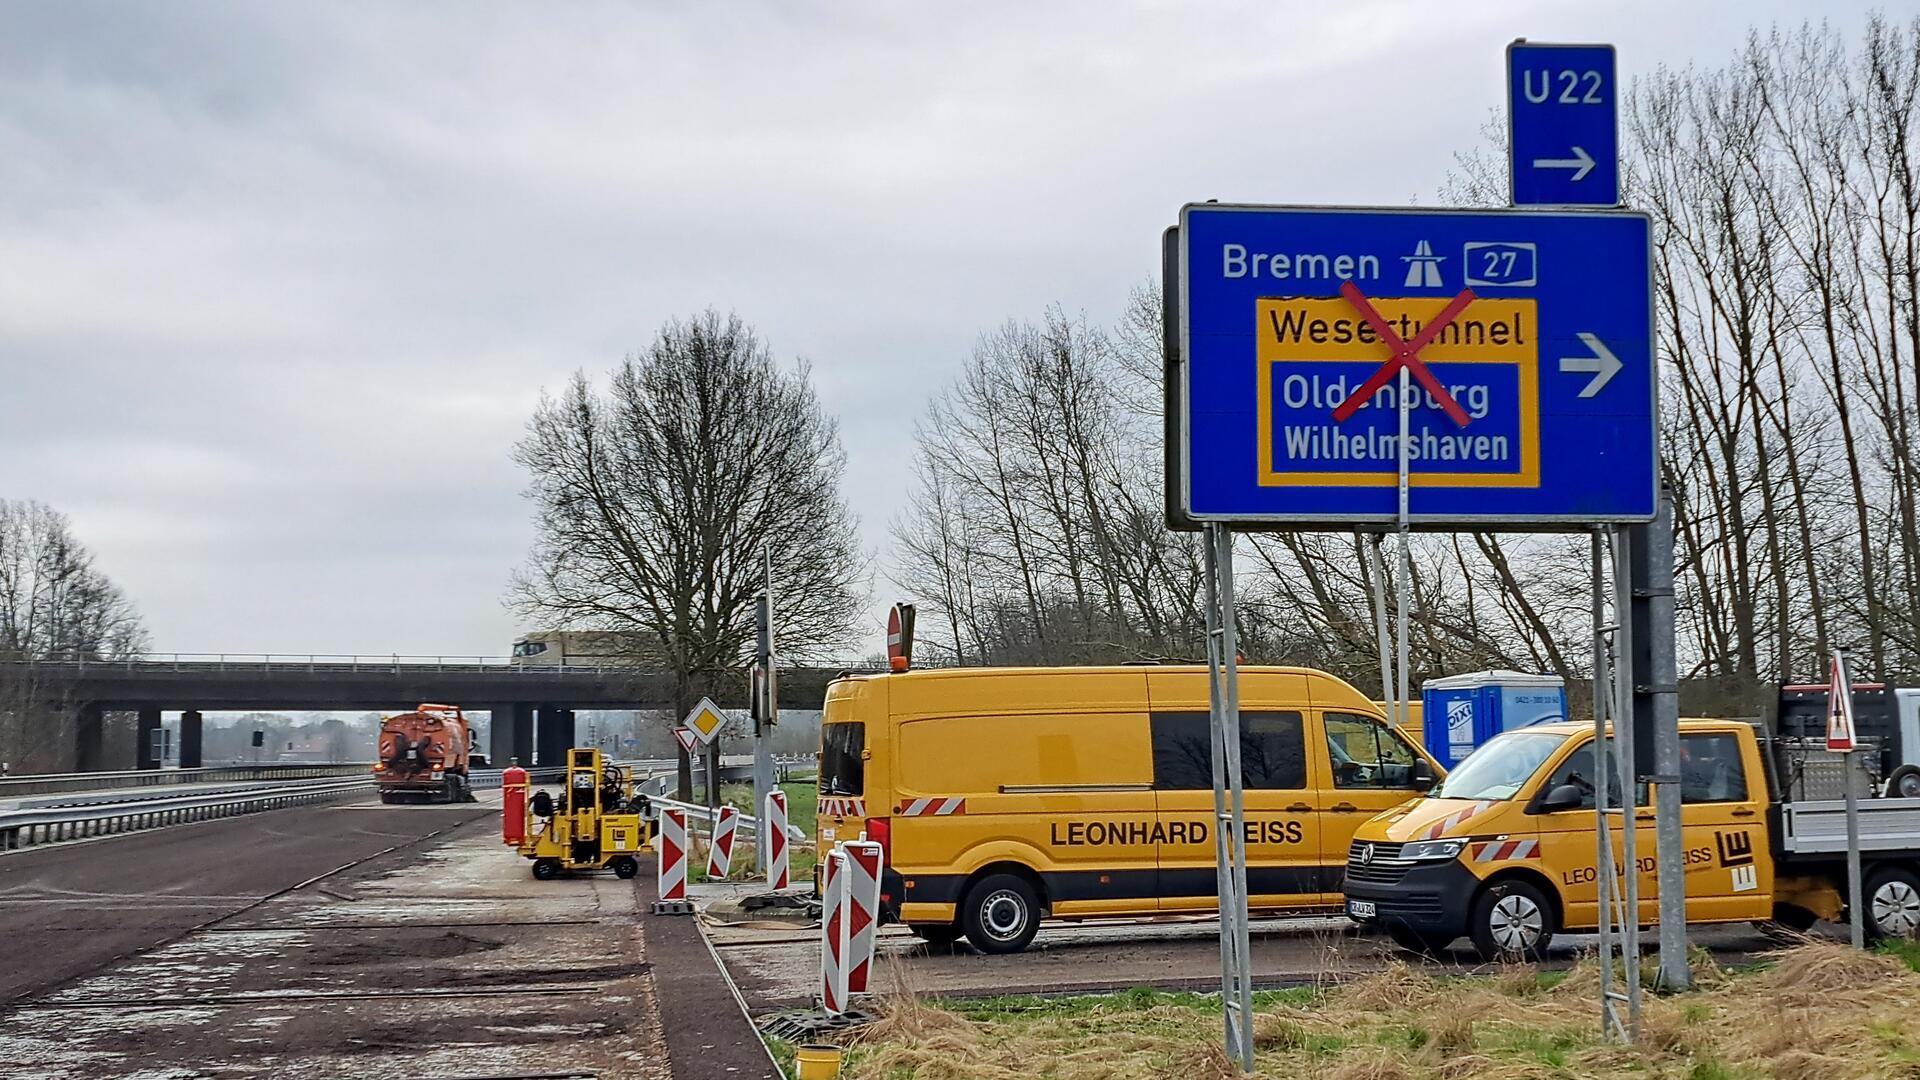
<point>1563,125</point>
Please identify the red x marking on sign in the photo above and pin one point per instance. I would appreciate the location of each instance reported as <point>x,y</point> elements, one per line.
<point>1405,354</point>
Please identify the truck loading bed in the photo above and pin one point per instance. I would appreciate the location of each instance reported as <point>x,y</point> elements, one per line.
<point>1819,826</point>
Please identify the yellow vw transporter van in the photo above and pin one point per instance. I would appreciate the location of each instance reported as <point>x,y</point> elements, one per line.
<point>1503,851</point>
<point>1005,796</point>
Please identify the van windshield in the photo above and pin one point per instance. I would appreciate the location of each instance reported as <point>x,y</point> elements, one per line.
<point>1501,768</point>
<point>841,770</point>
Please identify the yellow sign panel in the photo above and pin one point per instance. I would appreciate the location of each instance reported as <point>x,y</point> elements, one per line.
<point>706,720</point>
<point>1315,352</point>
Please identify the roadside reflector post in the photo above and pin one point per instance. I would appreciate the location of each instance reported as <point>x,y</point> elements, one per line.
<point>672,843</point>
<point>774,814</point>
<point>720,852</point>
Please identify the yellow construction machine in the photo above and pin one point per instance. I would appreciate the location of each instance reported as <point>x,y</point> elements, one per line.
<point>598,822</point>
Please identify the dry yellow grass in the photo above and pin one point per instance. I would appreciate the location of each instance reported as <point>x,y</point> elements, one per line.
<point>1819,1012</point>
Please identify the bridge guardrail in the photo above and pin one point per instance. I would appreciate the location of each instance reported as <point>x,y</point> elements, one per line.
<point>49,783</point>
<point>321,662</point>
<point>24,828</point>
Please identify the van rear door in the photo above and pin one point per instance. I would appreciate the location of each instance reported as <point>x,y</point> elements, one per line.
<point>843,782</point>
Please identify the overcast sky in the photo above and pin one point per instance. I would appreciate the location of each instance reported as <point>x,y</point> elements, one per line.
<point>280,284</point>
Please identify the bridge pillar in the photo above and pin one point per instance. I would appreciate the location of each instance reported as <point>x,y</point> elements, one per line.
<point>143,732</point>
<point>555,736</point>
<point>522,728</point>
<point>89,739</point>
<point>510,735</point>
<point>190,740</point>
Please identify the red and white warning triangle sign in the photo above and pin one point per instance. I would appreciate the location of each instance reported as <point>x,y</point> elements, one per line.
<point>688,740</point>
<point>1840,708</point>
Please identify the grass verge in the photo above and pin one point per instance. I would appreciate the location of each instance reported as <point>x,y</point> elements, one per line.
<point>1817,1010</point>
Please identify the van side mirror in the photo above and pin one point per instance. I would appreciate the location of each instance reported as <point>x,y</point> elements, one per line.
<point>1422,776</point>
<point>1564,797</point>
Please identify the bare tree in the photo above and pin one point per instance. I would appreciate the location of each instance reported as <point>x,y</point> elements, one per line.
<point>658,499</point>
<point>55,604</point>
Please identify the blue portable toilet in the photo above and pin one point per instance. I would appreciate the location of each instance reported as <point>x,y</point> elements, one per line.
<point>1464,711</point>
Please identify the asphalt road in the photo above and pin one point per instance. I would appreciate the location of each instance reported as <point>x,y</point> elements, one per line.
<point>70,909</point>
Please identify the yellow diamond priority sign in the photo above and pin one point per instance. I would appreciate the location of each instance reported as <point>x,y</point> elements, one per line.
<point>706,720</point>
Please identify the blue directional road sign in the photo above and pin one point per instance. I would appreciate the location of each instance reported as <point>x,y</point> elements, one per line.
<point>1536,328</point>
<point>1564,133</point>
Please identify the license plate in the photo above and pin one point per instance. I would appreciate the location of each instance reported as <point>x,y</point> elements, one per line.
<point>1361,909</point>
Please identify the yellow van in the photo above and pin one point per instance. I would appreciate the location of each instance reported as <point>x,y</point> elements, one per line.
<point>1008,795</point>
<point>1503,852</point>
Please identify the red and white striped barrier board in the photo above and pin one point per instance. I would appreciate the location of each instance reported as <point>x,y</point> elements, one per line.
<point>842,807</point>
<point>673,854</point>
<point>932,808</point>
<point>833,897</point>
<point>775,816</point>
<point>1502,850</point>
<point>865,860</point>
<point>1458,817</point>
<point>850,915</point>
<point>720,852</point>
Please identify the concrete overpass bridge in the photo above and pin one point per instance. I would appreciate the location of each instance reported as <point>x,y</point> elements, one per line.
<point>536,703</point>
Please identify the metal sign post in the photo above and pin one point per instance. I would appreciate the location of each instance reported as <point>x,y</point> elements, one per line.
<point>1229,804</point>
<point>766,707</point>
<point>1606,887</point>
<point>1842,738</point>
<point>1621,709</point>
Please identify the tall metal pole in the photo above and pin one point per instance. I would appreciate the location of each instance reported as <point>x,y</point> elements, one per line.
<point>1856,898</point>
<point>1387,690</point>
<point>1404,584</point>
<point>1622,711</point>
<point>1605,886</point>
<point>763,726</point>
<point>1229,805</point>
<point>1657,691</point>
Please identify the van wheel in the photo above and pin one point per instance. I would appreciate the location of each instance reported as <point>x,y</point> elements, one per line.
<point>1001,914</point>
<point>1512,921</point>
<point>1905,782</point>
<point>1893,904</point>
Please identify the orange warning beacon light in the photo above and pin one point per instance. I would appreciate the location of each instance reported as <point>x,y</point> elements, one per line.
<point>900,637</point>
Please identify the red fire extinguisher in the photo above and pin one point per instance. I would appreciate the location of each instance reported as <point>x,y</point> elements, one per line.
<point>513,804</point>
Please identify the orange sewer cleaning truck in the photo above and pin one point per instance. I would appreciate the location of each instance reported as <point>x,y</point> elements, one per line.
<point>423,756</point>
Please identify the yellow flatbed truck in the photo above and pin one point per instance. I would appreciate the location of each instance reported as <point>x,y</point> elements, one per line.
<point>597,823</point>
<point>1503,850</point>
